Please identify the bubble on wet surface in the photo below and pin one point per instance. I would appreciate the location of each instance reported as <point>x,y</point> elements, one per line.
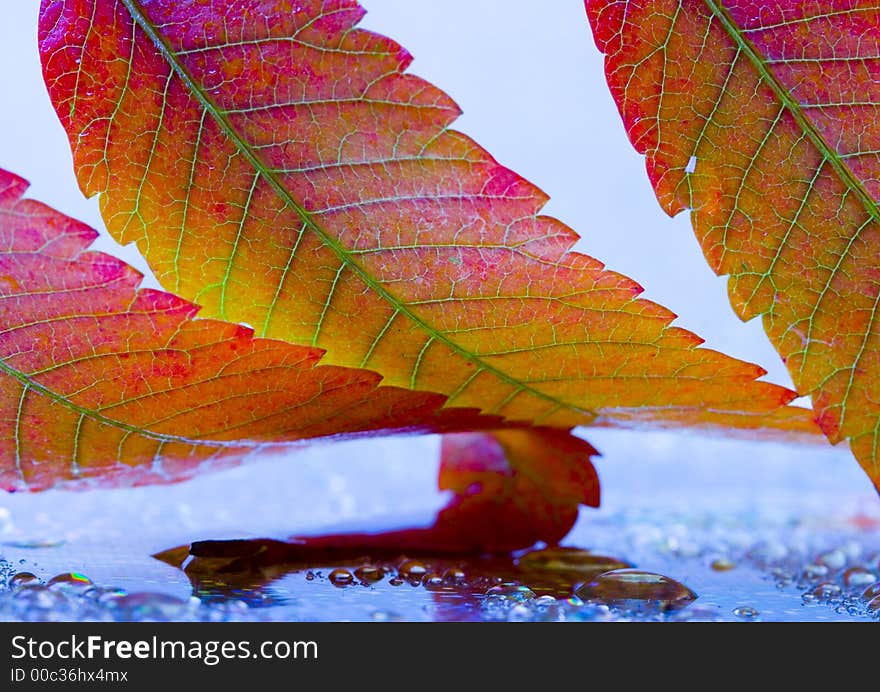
<point>746,613</point>
<point>638,590</point>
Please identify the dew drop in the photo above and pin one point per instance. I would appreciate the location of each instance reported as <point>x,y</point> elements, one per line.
<point>858,577</point>
<point>22,578</point>
<point>369,573</point>
<point>454,575</point>
<point>722,564</point>
<point>341,577</point>
<point>813,573</point>
<point>412,570</point>
<point>871,592</point>
<point>631,588</point>
<point>826,591</point>
<point>746,613</point>
<point>69,581</point>
<point>433,582</point>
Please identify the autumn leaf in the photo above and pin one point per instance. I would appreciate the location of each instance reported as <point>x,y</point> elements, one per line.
<point>279,167</point>
<point>761,118</point>
<point>105,384</point>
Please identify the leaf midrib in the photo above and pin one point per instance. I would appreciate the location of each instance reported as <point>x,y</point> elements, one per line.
<point>829,154</point>
<point>791,104</point>
<point>344,255</point>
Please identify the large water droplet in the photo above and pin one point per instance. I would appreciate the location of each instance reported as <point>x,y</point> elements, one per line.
<point>631,588</point>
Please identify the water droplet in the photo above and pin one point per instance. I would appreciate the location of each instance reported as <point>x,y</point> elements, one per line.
<point>69,581</point>
<point>858,577</point>
<point>454,575</point>
<point>512,592</point>
<point>813,573</point>
<point>722,564</point>
<point>341,577</point>
<point>746,613</point>
<point>395,581</point>
<point>412,570</point>
<point>871,592</point>
<point>569,560</point>
<point>22,578</point>
<point>826,591</point>
<point>369,573</point>
<point>433,582</point>
<point>873,606</point>
<point>833,559</point>
<point>310,576</point>
<point>632,588</point>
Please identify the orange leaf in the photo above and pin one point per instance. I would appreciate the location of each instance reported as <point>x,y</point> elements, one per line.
<point>761,117</point>
<point>277,166</point>
<point>105,384</point>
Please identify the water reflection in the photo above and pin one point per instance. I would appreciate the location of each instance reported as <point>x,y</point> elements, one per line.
<point>456,587</point>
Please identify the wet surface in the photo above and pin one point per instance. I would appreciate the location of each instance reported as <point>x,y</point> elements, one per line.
<point>792,547</point>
